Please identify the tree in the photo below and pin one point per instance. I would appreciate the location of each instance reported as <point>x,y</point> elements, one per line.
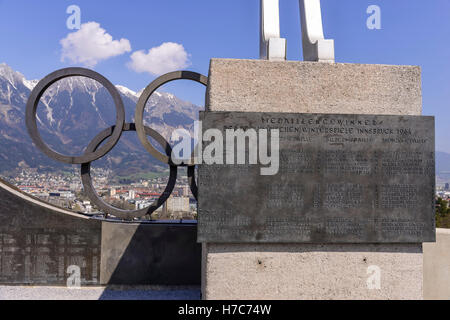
<point>442,214</point>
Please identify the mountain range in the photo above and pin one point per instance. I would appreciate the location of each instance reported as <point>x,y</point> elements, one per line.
<point>73,111</point>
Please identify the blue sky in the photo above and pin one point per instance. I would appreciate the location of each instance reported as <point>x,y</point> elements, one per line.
<point>413,33</point>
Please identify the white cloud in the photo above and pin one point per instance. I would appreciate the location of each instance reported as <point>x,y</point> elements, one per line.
<point>91,44</point>
<point>167,57</point>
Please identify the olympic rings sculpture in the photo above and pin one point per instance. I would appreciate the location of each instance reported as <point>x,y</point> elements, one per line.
<point>112,135</point>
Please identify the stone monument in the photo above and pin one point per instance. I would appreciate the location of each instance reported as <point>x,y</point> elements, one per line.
<point>347,212</point>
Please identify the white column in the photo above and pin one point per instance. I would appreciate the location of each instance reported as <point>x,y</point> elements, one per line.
<point>272,47</point>
<point>315,46</point>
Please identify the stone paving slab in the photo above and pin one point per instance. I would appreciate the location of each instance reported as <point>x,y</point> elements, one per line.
<point>99,293</point>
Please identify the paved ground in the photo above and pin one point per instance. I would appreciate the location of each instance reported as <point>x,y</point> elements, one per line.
<point>99,293</point>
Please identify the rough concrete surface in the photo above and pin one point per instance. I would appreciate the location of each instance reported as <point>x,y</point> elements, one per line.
<point>436,267</point>
<point>303,271</point>
<point>311,87</point>
<point>308,271</point>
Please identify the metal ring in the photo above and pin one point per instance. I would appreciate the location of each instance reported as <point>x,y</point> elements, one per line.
<point>36,95</point>
<point>191,180</point>
<point>139,115</point>
<point>107,208</point>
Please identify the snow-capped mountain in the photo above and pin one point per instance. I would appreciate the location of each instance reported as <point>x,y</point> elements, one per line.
<point>72,112</point>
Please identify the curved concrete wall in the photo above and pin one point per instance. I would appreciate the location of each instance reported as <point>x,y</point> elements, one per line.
<point>41,244</point>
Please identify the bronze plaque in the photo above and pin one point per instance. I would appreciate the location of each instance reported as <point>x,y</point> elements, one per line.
<point>340,179</point>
